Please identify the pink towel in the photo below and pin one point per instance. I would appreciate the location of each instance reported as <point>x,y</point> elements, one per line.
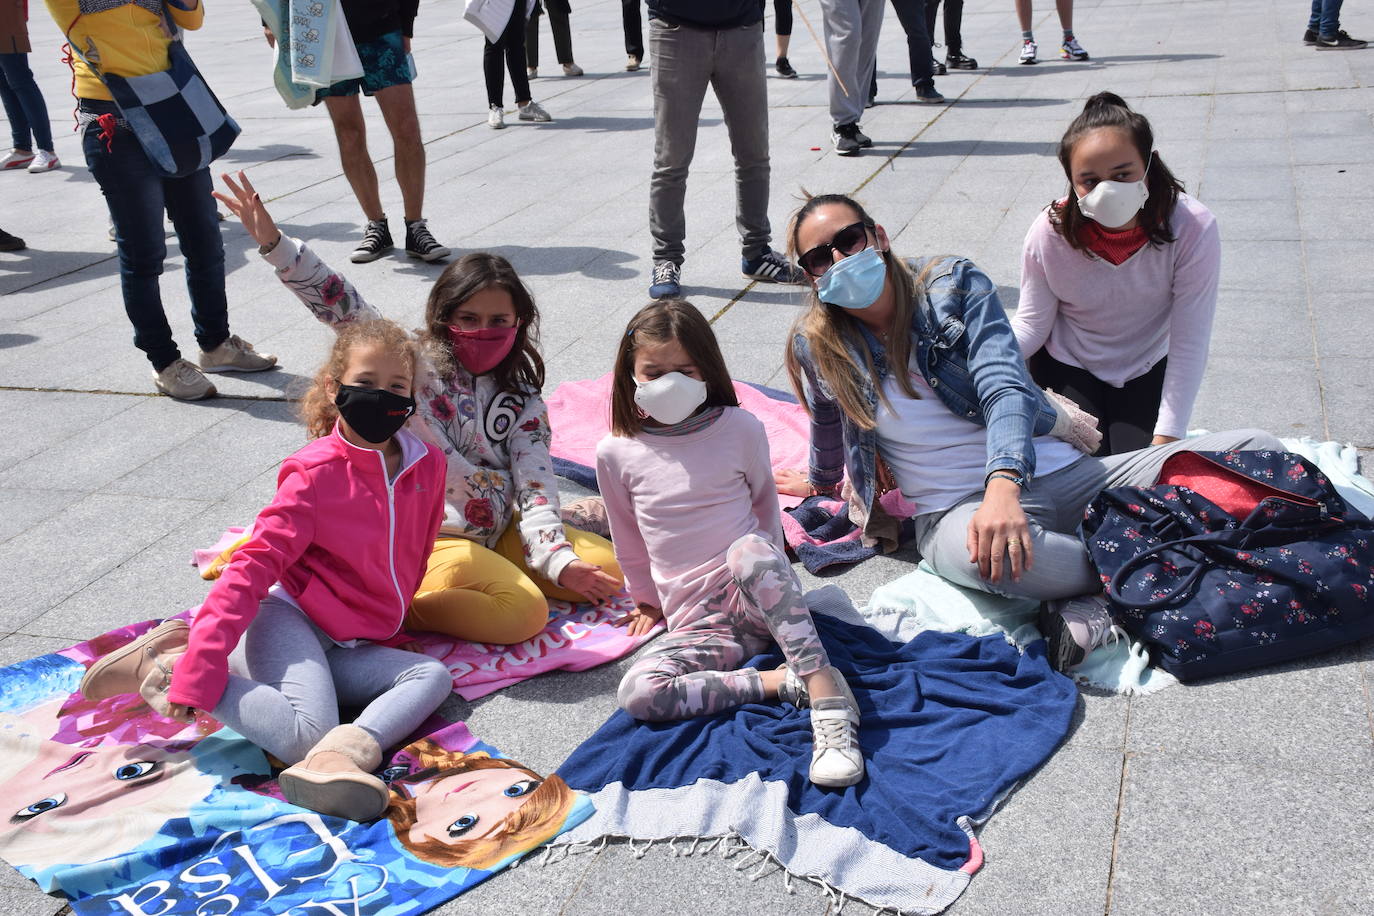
<point>580,414</point>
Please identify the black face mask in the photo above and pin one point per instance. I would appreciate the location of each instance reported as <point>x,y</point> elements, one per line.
<point>372,413</point>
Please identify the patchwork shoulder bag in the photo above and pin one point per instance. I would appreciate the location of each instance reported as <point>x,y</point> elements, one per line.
<point>173,113</point>
<point>1234,560</point>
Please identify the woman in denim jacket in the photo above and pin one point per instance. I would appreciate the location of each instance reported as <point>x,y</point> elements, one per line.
<point>998,490</point>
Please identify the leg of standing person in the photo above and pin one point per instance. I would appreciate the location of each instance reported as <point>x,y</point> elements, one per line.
<point>21,137</point>
<point>1330,36</point>
<point>682,64</point>
<point>738,81</point>
<point>195,218</point>
<point>782,32</point>
<point>133,192</point>
<point>1029,49</point>
<point>513,42</point>
<point>350,130</point>
<point>397,103</point>
<point>851,30</point>
<point>27,111</point>
<point>633,24</point>
<point>560,23</point>
<point>494,74</point>
<point>1069,49</point>
<point>920,57</point>
<point>532,40</point>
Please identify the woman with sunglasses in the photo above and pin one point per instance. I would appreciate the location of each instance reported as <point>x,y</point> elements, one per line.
<point>914,383</point>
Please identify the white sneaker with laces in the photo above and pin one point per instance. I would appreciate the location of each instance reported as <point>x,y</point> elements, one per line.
<point>532,73</point>
<point>183,381</point>
<point>1072,50</point>
<point>43,161</point>
<point>533,111</point>
<point>572,70</point>
<point>17,159</point>
<point>235,355</point>
<point>836,759</point>
<point>496,117</point>
<point>1028,52</point>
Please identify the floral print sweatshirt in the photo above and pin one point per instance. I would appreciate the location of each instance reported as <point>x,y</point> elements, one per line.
<point>495,443</point>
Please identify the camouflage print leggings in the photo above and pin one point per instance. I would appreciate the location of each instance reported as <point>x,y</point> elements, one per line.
<point>694,671</point>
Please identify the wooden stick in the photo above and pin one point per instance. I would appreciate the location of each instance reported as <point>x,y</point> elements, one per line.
<point>816,38</point>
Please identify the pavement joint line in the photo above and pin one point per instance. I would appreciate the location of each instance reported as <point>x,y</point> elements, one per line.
<point>145,394</point>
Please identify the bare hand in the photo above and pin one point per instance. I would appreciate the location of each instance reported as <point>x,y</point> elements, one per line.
<point>249,208</point>
<point>588,581</point>
<point>792,482</point>
<point>1163,440</point>
<point>271,39</point>
<point>641,620</point>
<point>180,713</point>
<point>998,531</point>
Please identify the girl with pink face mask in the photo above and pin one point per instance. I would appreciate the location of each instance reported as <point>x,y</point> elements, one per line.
<point>1119,283</point>
<point>502,549</point>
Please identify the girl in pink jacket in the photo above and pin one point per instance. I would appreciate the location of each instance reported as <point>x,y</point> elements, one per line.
<point>307,614</point>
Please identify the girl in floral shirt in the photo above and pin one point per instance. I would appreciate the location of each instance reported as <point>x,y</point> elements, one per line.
<point>502,548</point>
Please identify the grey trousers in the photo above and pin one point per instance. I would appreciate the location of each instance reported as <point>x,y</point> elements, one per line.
<point>1054,507</point>
<point>851,39</point>
<point>685,62</point>
<point>287,679</point>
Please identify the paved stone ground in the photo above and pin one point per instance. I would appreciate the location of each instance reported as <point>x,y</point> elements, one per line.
<point>1251,793</point>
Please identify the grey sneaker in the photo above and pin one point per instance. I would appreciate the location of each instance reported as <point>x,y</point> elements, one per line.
<point>836,758</point>
<point>1073,627</point>
<point>236,355</point>
<point>572,70</point>
<point>793,688</point>
<point>184,381</point>
<point>533,111</point>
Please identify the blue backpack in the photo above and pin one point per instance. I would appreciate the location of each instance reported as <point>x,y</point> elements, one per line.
<point>1234,560</point>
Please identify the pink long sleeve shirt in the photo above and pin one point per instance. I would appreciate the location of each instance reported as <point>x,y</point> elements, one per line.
<point>677,503</point>
<point>1118,320</point>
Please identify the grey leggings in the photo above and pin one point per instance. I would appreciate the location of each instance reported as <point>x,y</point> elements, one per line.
<point>287,679</point>
<point>1054,507</point>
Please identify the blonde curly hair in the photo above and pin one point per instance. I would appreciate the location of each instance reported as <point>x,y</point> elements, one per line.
<point>317,406</point>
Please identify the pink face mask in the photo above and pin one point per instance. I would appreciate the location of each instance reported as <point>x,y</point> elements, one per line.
<point>482,350</point>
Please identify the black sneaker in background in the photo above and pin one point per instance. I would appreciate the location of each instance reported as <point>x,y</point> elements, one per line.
<point>957,61</point>
<point>1340,42</point>
<point>1309,37</point>
<point>864,141</point>
<point>420,244</point>
<point>785,69</point>
<point>376,242</point>
<point>11,242</point>
<point>846,139</point>
<point>937,67</point>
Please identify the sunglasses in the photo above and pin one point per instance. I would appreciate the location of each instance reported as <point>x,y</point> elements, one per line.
<point>850,240</point>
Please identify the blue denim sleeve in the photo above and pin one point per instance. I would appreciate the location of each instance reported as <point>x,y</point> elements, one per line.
<point>1006,393</point>
<point>826,463</point>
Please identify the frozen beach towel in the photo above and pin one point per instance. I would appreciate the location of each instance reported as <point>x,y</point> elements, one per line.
<point>951,724</point>
<point>125,812</point>
<point>576,638</point>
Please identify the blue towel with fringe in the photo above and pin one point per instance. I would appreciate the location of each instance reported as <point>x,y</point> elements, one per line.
<point>951,724</point>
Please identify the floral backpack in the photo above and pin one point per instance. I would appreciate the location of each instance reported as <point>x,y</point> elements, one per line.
<point>1234,560</point>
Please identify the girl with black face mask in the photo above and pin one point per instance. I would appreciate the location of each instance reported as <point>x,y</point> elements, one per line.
<point>308,612</point>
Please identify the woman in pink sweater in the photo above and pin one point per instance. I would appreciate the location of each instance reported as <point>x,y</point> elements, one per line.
<point>694,518</point>
<point>1119,283</point>
<point>307,614</point>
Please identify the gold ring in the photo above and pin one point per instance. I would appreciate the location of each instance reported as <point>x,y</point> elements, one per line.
<point>1013,542</point>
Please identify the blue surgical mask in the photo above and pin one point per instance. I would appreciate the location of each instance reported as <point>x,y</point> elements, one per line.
<point>855,282</point>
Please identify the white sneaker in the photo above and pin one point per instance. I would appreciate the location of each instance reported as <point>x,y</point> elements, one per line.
<point>183,381</point>
<point>533,111</point>
<point>836,759</point>
<point>632,63</point>
<point>496,118</point>
<point>43,161</point>
<point>17,159</point>
<point>572,70</point>
<point>1028,52</point>
<point>235,355</point>
<point>532,73</point>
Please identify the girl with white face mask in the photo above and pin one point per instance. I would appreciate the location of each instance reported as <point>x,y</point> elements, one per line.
<point>1119,283</point>
<point>694,518</point>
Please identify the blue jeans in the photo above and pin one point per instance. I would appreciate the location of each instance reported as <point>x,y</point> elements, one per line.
<point>137,195</point>
<point>1326,17</point>
<point>24,106</point>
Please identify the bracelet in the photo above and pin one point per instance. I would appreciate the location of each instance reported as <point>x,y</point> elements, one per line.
<point>832,490</point>
<point>1007,475</point>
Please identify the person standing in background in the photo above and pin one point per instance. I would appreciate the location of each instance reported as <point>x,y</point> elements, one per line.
<point>559,11</point>
<point>851,41</point>
<point>954,40</point>
<point>1070,49</point>
<point>24,106</point>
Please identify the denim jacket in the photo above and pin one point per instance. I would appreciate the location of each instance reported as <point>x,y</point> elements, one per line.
<point>965,350</point>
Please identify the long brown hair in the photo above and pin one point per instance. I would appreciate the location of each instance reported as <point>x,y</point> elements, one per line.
<point>317,406</point>
<point>1107,109</point>
<point>534,822</point>
<point>523,368</point>
<point>827,328</point>
<point>659,322</point>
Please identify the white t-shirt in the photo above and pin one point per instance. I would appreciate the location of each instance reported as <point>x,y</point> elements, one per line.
<point>939,458</point>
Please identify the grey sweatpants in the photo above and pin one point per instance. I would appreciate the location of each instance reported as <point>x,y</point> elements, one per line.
<point>1054,507</point>
<point>287,680</point>
<point>685,62</point>
<point>851,40</point>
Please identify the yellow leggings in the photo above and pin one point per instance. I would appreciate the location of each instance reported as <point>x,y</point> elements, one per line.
<point>491,595</point>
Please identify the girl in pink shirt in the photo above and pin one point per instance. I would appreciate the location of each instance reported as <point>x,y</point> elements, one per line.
<point>307,613</point>
<point>693,510</point>
<point>1119,283</point>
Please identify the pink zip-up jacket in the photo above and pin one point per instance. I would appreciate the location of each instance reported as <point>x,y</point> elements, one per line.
<point>347,546</point>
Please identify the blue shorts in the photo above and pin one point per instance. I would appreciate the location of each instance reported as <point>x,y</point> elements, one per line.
<point>385,64</point>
